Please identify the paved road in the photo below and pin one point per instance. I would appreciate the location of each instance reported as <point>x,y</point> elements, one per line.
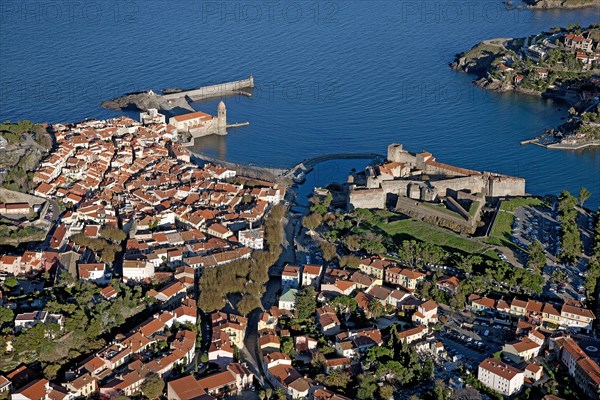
<point>250,353</point>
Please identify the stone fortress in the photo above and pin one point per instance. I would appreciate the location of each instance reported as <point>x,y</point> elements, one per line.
<point>423,188</point>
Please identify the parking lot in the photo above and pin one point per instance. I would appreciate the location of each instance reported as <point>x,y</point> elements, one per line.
<point>471,342</point>
<point>541,224</point>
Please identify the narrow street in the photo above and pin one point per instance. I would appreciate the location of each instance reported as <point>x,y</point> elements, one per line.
<point>251,353</point>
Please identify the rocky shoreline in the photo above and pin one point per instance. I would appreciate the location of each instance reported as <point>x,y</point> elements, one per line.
<point>527,66</point>
<point>559,4</point>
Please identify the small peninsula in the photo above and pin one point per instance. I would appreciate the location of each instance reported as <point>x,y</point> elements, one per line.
<point>564,4</point>
<point>563,64</point>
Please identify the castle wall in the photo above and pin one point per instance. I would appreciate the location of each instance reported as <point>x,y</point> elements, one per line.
<point>475,184</point>
<point>366,198</point>
<point>417,210</point>
<point>501,185</point>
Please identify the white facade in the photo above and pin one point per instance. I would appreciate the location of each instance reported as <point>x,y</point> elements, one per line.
<point>252,238</point>
<point>500,377</point>
<point>138,270</point>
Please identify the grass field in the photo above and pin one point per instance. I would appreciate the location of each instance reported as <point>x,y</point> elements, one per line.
<point>501,233</point>
<point>407,229</point>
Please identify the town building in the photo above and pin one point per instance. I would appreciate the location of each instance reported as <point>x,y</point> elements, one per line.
<point>499,376</point>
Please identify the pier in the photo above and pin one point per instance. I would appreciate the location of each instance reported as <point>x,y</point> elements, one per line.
<point>308,164</point>
<point>237,125</point>
<point>179,100</point>
<point>218,90</point>
<point>278,174</point>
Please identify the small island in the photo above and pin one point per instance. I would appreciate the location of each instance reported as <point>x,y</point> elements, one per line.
<point>563,64</point>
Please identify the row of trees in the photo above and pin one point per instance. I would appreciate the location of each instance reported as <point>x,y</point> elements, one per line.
<point>107,246</point>
<point>570,240</point>
<point>593,271</point>
<point>244,277</point>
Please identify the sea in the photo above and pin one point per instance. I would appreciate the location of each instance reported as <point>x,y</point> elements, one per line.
<point>331,77</point>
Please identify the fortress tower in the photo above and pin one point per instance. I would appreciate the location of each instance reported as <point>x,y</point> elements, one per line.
<point>397,154</point>
<point>221,119</point>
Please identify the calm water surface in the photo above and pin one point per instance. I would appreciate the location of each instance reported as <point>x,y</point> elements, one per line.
<point>348,76</point>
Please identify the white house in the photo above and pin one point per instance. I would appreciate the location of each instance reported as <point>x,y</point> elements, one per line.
<point>253,238</point>
<point>137,270</point>
<point>287,301</point>
<point>500,377</point>
<point>290,277</point>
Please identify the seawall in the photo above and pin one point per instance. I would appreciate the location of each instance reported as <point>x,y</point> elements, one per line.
<point>218,90</point>
<point>143,101</point>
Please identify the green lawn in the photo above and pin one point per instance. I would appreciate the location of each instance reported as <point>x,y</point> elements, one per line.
<point>473,208</point>
<point>501,233</point>
<point>408,229</point>
<point>441,207</point>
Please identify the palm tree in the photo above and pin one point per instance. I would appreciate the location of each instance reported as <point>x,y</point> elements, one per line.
<point>375,308</point>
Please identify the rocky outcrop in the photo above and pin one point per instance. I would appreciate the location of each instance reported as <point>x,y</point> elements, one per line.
<point>550,4</point>
<point>177,100</point>
<point>479,59</point>
<point>145,101</point>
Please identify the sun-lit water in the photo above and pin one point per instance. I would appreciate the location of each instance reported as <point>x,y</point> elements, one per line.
<point>347,76</point>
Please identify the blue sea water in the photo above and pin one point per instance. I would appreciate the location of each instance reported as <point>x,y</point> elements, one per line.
<point>332,76</point>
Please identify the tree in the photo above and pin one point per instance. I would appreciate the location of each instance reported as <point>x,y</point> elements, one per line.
<point>558,275</point>
<point>6,315</point>
<point>375,308</point>
<point>51,371</point>
<point>386,392</point>
<point>113,234</point>
<point>466,263</point>
<point>153,386</point>
<point>10,283</point>
<point>247,304</point>
<point>344,303</point>
<point>570,240</point>
<point>306,303</point>
<point>379,353</point>
<point>335,378</point>
<point>287,346</point>
<point>361,215</point>
<point>352,242</point>
<point>312,221</point>
<point>584,195</point>
<point>537,258</point>
<point>329,250</point>
<point>350,261</point>
<point>366,388</point>
<point>440,391</point>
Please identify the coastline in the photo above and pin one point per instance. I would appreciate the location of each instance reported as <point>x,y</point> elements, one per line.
<point>562,146</point>
<point>535,66</point>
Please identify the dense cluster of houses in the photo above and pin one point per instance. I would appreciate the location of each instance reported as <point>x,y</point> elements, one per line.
<point>375,280</point>
<point>119,172</point>
<point>582,47</point>
<point>179,218</point>
<point>571,314</point>
<point>505,378</point>
<point>121,367</point>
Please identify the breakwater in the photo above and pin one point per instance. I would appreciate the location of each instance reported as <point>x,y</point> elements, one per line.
<point>207,92</point>
<point>307,165</point>
<point>179,100</point>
